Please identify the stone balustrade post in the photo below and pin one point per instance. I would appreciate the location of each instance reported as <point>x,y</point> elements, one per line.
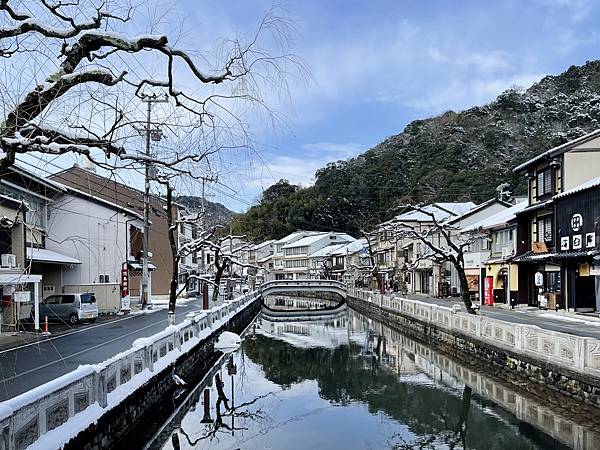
<point>100,394</point>
<point>177,337</point>
<point>519,333</point>
<point>580,352</point>
<point>148,357</point>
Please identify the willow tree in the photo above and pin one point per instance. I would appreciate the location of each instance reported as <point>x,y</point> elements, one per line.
<point>74,81</point>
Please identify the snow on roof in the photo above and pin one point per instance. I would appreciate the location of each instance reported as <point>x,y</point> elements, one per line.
<point>292,236</point>
<point>101,201</point>
<point>308,240</point>
<point>558,150</point>
<point>265,259</point>
<point>440,211</point>
<point>456,208</point>
<point>352,247</point>
<point>499,218</point>
<point>594,182</point>
<point>263,244</point>
<point>45,255</point>
<point>326,251</point>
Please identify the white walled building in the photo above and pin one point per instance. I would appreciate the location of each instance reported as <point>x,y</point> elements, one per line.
<point>278,272</point>
<point>97,233</point>
<point>297,254</point>
<point>261,256</point>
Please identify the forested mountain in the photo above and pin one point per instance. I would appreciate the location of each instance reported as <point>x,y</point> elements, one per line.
<point>454,156</point>
<point>215,213</point>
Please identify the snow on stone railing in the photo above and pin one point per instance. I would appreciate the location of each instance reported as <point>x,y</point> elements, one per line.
<point>39,417</point>
<point>581,354</point>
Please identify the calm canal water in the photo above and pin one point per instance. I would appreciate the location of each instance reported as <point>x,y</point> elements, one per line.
<point>351,383</point>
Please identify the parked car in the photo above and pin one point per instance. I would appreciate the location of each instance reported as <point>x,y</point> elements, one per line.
<point>70,307</point>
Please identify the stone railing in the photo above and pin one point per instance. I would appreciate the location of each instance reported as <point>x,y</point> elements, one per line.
<point>90,390</point>
<point>282,286</point>
<point>580,354</point>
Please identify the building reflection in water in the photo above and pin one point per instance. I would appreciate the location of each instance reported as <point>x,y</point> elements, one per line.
<point>293,303</point>
<point>353,360</point>
<point>414,362</point>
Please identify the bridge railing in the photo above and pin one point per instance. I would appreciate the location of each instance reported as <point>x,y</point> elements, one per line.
<point>90,390</point>
<point>581,354</point>
<point>307,282</point>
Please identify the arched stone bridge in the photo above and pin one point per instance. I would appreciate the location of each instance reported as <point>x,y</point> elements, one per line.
<point>289,286</point>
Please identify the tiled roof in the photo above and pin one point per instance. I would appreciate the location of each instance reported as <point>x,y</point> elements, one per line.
<point>440,211</point>
<point>500,218</point>
<point>539,257</point>
<point>594,182</point>
<point>326,251</point>
<point>340,238</point>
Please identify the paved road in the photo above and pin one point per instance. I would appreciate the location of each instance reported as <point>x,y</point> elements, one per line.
<point>30,365</point>
<point>578,325</point>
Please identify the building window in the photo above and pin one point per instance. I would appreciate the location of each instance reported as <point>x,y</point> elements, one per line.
<point>544,229</point>
<point>296,263</point>
<point>544,183</point>
<point>503,240</point>
<point>194,231</point>
<point>136,241</point>
<point>296,251</point>
<point>194,258</point>
<point>552,281</point>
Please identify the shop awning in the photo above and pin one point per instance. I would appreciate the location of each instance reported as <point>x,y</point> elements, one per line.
<point>43,255</point>
<point>496,261</point>
<point>138,266</point>
<point>17,277</point>
<point>542,257</point>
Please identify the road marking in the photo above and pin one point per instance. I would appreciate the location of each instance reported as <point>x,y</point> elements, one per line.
<point>34,369</point>
<point>81,331</point>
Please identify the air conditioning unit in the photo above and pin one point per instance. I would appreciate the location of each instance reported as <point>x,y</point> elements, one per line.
<point>506,252</point>
<point>8,260</point>
<point>48,290</point>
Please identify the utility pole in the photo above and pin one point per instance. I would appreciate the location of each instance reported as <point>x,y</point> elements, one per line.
<point>202,215</point>
<point>155,135</point>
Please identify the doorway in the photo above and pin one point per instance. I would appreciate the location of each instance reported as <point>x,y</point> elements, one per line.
<point>581,291</point>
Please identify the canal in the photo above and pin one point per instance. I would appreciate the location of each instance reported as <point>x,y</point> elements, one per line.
<point>345,381</point>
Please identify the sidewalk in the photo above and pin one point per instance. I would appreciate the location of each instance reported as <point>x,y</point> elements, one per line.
<point>562,321</point>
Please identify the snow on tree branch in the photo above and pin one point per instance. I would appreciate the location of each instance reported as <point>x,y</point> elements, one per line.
<point>97,59</point>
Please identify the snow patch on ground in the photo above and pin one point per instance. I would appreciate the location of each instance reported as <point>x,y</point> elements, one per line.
<point>228,342</point>
<point>556,316</point>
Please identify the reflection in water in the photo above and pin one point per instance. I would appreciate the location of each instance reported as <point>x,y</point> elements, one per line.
<point>293,303</point>
<point>351,382</point>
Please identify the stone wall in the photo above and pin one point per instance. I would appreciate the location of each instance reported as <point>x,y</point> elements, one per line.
<point>539,376</point>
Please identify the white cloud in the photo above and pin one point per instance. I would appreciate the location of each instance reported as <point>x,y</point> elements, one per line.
<point>463,93</point>
<point>300,168</point>
<point>577,10</point>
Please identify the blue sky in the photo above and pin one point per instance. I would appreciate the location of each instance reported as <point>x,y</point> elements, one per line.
<point>378,65</point>
<point>374,67</point>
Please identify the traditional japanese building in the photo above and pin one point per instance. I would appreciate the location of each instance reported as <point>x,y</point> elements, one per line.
<point>578,247</point>
<point>541,261</point>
